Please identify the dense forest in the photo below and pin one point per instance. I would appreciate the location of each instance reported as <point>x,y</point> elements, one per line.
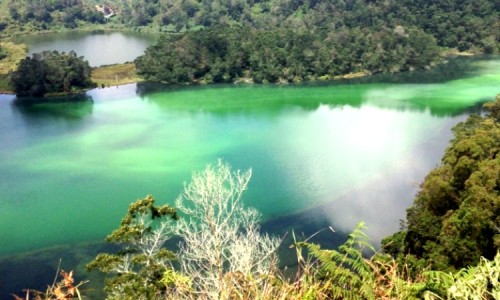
<point>26,15</point>
<point>465,25</point>
<point>274,41</point>
<point>284,55</point>
<point>51,72</point>
<point>455,218</point>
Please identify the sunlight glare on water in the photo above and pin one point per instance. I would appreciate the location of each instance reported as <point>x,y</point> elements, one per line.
<point>341,152</point>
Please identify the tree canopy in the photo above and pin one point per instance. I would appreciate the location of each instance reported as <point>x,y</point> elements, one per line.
<point>284,55</point>
<point>51,72</point>
<point>140,266</point>
<point>455,218</point>
<point>464,24</point>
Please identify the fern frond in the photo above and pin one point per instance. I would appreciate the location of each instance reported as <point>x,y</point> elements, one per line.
<point>348,273</point>
<point>438,281</point>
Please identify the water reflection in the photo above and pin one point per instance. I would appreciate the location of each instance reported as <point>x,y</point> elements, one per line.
<point>464,84</point>
<point>69,108</point>
<point>224,99</point>
<point>454,68</point>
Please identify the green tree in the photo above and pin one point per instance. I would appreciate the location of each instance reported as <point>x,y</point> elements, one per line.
<point>221,54</point>
<point>455,218</point>
<point>28,79</point>
<point>140,266</point>
<point>51,72</point>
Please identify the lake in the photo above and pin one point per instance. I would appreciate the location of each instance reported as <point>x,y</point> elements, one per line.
<point>322,154</point>
<point>98,47</point>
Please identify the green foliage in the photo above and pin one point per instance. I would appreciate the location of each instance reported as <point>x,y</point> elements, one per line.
<point>345,271</point>
<point>14,53</point>
<point>349,273</point>
<point>27,15</point>
<point>140,268</point>
<point>174,280</point>
<point>283,55</point>
<point>2,54</point>
<point>50,72</point>
<point>455,218</point>
<point>346,274</point>
<point>464,25</point>
<point>479,282</point>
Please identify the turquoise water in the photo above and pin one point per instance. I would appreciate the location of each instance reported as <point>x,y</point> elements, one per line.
<point>334,153</point>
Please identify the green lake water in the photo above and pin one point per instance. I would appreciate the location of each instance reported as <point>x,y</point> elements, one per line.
<point>321,154</point>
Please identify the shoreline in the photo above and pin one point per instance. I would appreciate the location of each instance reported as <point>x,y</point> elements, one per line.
<point>125,73</point>
<point>12,36</point>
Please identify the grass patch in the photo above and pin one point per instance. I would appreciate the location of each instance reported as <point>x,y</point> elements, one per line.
<point>4,84</point>
<point>15,52</point>
<point>115,75</point>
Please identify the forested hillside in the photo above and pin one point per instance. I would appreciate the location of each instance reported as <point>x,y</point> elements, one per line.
<point>284,55</point>
<point>27,15</point>
<point>465,25</point>
<point>455,218</point>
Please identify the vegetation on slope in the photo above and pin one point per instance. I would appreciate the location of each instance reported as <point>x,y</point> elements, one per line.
<point>347,274</point>
<point>455,218</point>
<point>275,41</point>
<point>465,25</point>
<point>31,16</point>
<point>283,55</point>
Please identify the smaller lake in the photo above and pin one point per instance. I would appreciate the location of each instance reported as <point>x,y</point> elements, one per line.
<point>99,48</point>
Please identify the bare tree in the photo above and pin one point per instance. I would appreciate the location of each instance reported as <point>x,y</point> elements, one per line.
<point>221,238</point>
